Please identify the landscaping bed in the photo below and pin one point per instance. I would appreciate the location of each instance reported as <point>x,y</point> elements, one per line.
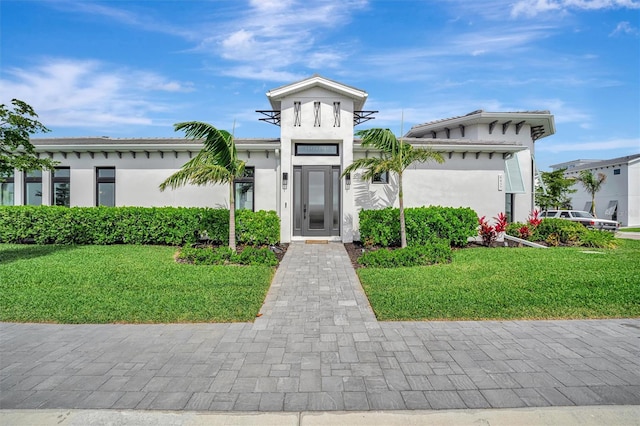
<point>509,283</point>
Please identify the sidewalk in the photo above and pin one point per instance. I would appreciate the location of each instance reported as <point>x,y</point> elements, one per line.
<point>550,416</point>
<point>318,347</point>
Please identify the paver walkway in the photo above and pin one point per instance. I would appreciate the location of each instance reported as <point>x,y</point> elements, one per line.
<point>318,346</point>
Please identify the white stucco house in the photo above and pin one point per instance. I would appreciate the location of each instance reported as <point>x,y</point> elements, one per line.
<point>488,165</point>
<point>619,196</point>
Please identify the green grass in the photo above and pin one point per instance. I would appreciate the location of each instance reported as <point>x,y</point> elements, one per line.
<point>123,284</point>
<point>629,229</point>
<point>512,283</point>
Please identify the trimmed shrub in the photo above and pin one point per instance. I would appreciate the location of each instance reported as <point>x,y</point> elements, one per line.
<point>224,256</point>
<point>382,227</point>
<point>133,225</point>
<point>598,239</point>
<point>556,231</point>
<point>434,253</point>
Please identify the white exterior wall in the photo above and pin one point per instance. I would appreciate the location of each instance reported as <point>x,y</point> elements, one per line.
<point>458,182</point>
<point>308,133</point>
<point>623,188</point>
<point>138,180</point>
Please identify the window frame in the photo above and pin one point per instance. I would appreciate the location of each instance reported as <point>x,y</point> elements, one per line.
<point>8,180</point>
<point>105,179</point>
<point>380,178</point>
<point>31,180</point>
<point>60,179</point>
<point>244,179</point>
<point>298,152</point>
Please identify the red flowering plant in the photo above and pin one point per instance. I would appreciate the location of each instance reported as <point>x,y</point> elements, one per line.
<point>524,232</point>
<point>534,218</point>
<point>501,223</point>
<point>486,231</point>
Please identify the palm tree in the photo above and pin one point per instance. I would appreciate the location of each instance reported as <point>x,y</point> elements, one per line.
<point>591,184</point>
<point>216,163</point>
<point>396,156</point>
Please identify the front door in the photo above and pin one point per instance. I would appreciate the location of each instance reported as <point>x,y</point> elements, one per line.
<point>316,201</point>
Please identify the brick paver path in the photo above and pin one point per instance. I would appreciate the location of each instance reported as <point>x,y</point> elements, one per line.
<point>318,346</point>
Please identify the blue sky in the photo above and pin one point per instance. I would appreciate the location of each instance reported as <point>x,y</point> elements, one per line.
<point>133,68</point>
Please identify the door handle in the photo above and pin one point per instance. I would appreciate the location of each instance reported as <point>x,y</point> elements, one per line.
<point>304,211</point>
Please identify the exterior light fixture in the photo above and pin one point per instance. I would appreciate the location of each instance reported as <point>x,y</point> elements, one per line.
<point>285,180</point>
<point>347,180</point>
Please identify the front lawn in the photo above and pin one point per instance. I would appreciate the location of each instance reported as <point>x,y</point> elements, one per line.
<point>512,283</point>
<point>121,283</point>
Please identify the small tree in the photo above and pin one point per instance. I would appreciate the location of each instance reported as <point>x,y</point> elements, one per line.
<point>558,188</point>
<point>591,184</point>
<point>17,123</point>
<point>396,157</point>
<point>217,162</point>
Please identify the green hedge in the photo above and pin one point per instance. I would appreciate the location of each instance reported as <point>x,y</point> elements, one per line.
<point>224,256</point>
<point>434,253</point>
<point>424,224</point>
<point>133,225</point>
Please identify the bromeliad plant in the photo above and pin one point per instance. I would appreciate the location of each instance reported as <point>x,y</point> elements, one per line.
<point>490,233</point>
<point>486,231</point>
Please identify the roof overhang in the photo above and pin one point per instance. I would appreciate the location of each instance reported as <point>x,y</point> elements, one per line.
<point>454,145</point>
<point>542,121</point>
<point>275,96</point>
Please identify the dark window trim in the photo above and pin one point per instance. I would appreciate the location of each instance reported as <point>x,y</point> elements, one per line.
<point>616,171</point>
<point>9,180</point>
<point>303,145</point>
<point>247,179</point>
<point>59,179</point>
<point>31,179</point>
<point>105,179</point>
<point>381,178</point>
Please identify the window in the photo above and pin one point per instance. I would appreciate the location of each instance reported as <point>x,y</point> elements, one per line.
<point>244,190</point>
<point>316,114</point>
<point>6,191</point>
<point>33,188</point>
<point>327,149</point>
<point>508,206</point>
<point>616,171</point>
<point>336,114</point>
<point>380,178</point>
<point>61,187</point>
<point>296,114</point>
<point>106,186</point>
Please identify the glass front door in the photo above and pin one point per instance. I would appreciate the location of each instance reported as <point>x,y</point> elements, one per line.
<point>316,201</point>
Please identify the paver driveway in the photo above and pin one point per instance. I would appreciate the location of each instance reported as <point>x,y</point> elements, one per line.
<point>318,346</point>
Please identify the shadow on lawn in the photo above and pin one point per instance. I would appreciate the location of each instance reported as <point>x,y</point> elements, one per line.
<point>8,255</point>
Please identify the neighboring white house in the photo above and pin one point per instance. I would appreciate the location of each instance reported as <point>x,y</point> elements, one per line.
<point>619,196</point>
<point>488,165</point>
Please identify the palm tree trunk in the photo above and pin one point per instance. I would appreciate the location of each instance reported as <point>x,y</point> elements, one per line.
<point>232,218</point>
<point>593,204</point>
<point>403,231</point>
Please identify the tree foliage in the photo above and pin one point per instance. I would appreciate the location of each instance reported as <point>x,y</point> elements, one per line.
<point>592,184</point>
<point>396,156</point>
<point>217,162</point>
<point>17,123</point>
<point>558,188</point>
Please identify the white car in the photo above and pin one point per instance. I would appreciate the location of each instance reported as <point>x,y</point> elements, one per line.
<point>582,217</point>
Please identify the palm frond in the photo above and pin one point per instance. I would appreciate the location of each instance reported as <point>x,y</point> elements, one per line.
<point>421,155</point>
<point>382,139</point>
<point>219,143</point>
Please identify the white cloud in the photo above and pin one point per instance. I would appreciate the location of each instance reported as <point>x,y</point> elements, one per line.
<point>624,27</point>
<point>532,8</point>
<point>272,36</point>
<point>604,145</point>
<point>66,92</point>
